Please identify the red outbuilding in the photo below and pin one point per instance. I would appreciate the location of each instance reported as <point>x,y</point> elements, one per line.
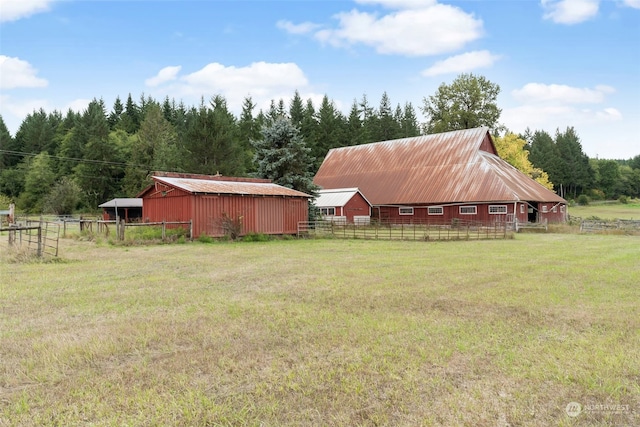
<point>259,205</point>
<point>344,205</point>
<point>440,177</point>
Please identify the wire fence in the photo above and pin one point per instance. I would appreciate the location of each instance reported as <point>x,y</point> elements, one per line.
<point>415,230</point>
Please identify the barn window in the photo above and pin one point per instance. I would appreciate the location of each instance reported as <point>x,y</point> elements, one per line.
<point>554,209</point>
<point>328,211</point>
<point>468,210</point>
<point>497,209</point>
<point>406,211</point>
<point>435,210</point>
<point>545,209</point>
<point>562,208</point>
<point>522,208</point>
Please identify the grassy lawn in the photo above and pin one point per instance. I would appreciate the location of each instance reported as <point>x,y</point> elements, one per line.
<point>608,211</point>
<point>325,332</point>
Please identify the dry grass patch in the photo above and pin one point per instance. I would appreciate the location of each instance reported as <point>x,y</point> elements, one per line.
<point>324,332</point>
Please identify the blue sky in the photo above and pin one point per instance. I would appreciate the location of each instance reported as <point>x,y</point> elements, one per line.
<point>558,63</point>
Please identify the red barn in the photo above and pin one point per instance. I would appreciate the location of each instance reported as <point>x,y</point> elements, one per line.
<point>440,177</point>
<point>346,205</point>
<point>258,204</point>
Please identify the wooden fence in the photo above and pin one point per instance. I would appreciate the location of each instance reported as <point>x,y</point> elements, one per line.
<point>422,231</point>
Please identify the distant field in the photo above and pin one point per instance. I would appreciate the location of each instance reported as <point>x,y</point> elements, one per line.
<point>325,332</point>
<point>608,211</point>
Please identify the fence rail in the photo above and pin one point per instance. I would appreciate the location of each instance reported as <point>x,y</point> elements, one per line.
<point>423,231</point>
<point>40,238</point>
<point>599,226</point>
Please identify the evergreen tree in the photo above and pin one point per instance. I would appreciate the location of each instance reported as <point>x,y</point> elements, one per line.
<point>468,102</point>
<point>296,110</point>
<point>330,130</point>
<point>154,150</point>
<point>130,118</point>
<point>578,176</point>
<point>249,129</point>
<point>116,113</point>
<point>544,155</point>
<point>36,134</point>
<point>409,125</point>
<point>6,142</point>
<point>99,171</point>
<point>355,130</point>
<point>387,128</point>
<point>283,156</point>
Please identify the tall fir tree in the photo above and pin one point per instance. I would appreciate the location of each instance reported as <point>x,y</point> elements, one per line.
<point>282,156</point>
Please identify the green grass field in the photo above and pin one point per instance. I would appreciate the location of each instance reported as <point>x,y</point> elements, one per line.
<point>324,333</point>
<point>608,211</point>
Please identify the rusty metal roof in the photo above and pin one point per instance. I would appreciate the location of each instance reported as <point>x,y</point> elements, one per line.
<point>216,186</point>
<point>451,167</point>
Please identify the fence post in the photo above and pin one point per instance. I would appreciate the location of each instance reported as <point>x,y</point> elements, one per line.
<point>191,230</point>
<point>39,252</point>
<point>164,231</point>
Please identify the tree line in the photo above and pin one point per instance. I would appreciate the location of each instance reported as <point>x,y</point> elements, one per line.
<point>64,162</point>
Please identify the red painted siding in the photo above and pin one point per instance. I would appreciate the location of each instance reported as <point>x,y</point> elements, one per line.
<point>356,206</point>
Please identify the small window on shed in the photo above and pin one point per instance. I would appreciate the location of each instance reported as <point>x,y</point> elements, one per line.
<point>522,208</point>
<point>435,210</point>
<point>406,211</point>
<point>497,209</point>
<point>468,210</point>
<point>562,208</point>
<point>554,209</point>
<point>545,209</point>
<point>328,211</point>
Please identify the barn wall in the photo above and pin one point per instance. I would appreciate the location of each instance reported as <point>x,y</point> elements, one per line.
<point>356,206</point>
<point>388,213</point>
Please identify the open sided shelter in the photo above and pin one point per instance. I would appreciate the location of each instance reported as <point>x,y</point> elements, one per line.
<point>259,205</point>
<point>128,209</point>
<point>440,177</point>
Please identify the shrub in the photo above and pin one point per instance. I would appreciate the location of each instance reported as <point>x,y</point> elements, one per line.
<point>256,237</point>
<point>583,200</point>
<point>203,238</point>
<point>624,200</point>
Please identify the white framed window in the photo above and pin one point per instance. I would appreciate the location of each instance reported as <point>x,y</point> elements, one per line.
<point>468,210</point>
<point>405,211</point>
<point>328,211</point>
<point>522,208</point>
<point>497,209</point>
<point>562,208</point>
<point>435,210</point>
<point>545,209</point>
<point>554,209</point>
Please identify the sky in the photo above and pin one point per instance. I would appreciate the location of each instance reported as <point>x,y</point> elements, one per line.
<point>558,63</point>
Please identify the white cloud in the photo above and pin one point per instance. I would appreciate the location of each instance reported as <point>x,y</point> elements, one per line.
<point>417,28</point>
<point>303,28</point>
<point>16,73</point>
<point>561,94</point>
<point>165,75</point>
<point>12,10</point>
<point>262,81</point>
<point>465,62</point>
<point>570,11</point>
<point>554,106</point>
<point>632,3</point>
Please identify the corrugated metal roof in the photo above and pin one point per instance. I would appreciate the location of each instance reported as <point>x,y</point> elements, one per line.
<point>210,186</point>
<point>122,203</point>
<point>335,197</point>
<point>448,167</point>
